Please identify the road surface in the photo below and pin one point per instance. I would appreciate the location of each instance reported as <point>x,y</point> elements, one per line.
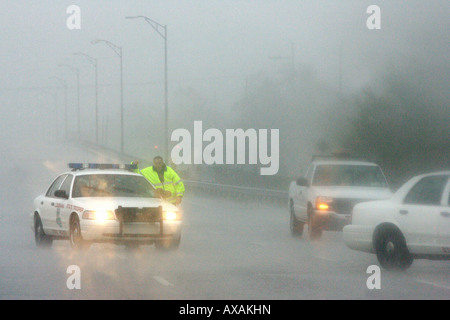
<point>230,249</point>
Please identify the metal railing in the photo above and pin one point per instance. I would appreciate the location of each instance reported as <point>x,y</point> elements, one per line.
<point>217,189</point>
<point>237,192</point>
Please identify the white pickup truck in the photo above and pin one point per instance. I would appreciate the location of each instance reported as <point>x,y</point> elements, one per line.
<point>324,198</point>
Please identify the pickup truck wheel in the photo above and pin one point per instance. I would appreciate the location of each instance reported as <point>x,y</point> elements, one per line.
<point>314,230</point>
<point>295,226</point>
<point>40,238</point>
<point>392,252</point>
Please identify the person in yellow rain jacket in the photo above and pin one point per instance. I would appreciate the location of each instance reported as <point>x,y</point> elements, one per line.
<point>166,181</point>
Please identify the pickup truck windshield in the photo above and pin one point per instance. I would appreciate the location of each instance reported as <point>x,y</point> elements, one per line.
<point>111,185</point>
<point>349,175</point>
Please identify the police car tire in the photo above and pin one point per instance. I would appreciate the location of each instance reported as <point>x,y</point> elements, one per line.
<point>75,237</point>
<point>41,239</point>
<point>392,252</point>
<point>168,245</point>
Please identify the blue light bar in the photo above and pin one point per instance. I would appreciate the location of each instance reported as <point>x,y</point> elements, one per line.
<point>75,165</point>
<point>79,166</point>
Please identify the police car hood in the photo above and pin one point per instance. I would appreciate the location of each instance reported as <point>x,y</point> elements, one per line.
<point>110,203</point>
<point>353,192</point>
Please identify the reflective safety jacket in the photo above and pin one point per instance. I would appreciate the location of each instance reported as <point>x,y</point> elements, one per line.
<point>172,182</point>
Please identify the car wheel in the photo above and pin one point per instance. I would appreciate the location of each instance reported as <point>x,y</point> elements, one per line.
<point>168,244</point>
<point>314,229</point>
<point>40,238</point>
<point>76,239</point>
<point>392,252</point>
<point>295,226</point>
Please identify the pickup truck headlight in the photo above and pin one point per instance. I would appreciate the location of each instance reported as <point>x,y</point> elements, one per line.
<point>324,203</point>
<point>99,215</point>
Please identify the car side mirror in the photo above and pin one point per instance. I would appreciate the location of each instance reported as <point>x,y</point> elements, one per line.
<point>303,182</point>
<point>61,194</point>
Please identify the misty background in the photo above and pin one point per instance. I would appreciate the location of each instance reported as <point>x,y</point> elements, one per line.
<point>311,69</point>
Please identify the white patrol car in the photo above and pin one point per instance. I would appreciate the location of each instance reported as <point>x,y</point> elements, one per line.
<point>104,203</point>
<point>414,223</point>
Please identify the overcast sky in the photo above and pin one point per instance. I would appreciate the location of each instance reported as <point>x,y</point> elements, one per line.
<point>213,46</point>
<point>217,38</point>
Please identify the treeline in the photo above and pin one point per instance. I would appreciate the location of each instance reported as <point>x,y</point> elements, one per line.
<point>404,126</point>
<point>400,120</point>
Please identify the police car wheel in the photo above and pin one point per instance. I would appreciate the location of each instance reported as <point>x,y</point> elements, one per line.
<point>168,244</point>
<point>76,239</point>
<point>392,252</point>
<point>40,238</point>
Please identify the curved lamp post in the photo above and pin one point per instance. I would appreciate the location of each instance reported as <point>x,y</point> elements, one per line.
<point>162,31</point>
<point>118,51</point>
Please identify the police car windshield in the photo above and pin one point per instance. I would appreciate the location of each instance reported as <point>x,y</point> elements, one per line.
<point>111,185</point>
<point>349,175</point>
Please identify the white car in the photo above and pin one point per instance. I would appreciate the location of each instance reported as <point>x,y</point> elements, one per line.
<point>324,198</point>
<point>414,223</point>
<point>103,203</point>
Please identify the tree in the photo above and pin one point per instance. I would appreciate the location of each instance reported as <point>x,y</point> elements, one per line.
<point>403,127</point>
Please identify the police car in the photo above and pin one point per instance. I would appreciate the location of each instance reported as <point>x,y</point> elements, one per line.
<point>104,203</point>
<point>413,224</point>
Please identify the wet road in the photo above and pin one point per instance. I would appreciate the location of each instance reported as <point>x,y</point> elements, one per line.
<point>230,249</point>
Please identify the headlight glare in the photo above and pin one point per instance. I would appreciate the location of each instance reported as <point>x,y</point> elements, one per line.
<point>99,215</point>
<point>170,215</point>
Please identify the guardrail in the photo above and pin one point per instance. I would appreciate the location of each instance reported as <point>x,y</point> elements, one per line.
<point>223,190</point>
<point>237,192</point>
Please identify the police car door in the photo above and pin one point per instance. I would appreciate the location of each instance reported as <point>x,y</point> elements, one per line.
<point>62,211</point>
<point>48,209</point>
<point>419,214</point>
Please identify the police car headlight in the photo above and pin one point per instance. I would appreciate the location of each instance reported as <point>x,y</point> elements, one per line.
<point>171,215</point>
<point>99,215</point>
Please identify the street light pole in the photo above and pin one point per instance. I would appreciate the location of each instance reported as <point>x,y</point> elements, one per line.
<point>121,100</point>
<point>156,26</point>
<point>64,83</point>
<point>118,51</point>
<point>55,99</point>
<point>77,72</point>
<point>94,63</point>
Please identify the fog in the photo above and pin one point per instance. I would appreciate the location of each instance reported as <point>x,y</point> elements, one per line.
<point>228,62</point>
<point>240,250</point>
<point>307,68</point>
